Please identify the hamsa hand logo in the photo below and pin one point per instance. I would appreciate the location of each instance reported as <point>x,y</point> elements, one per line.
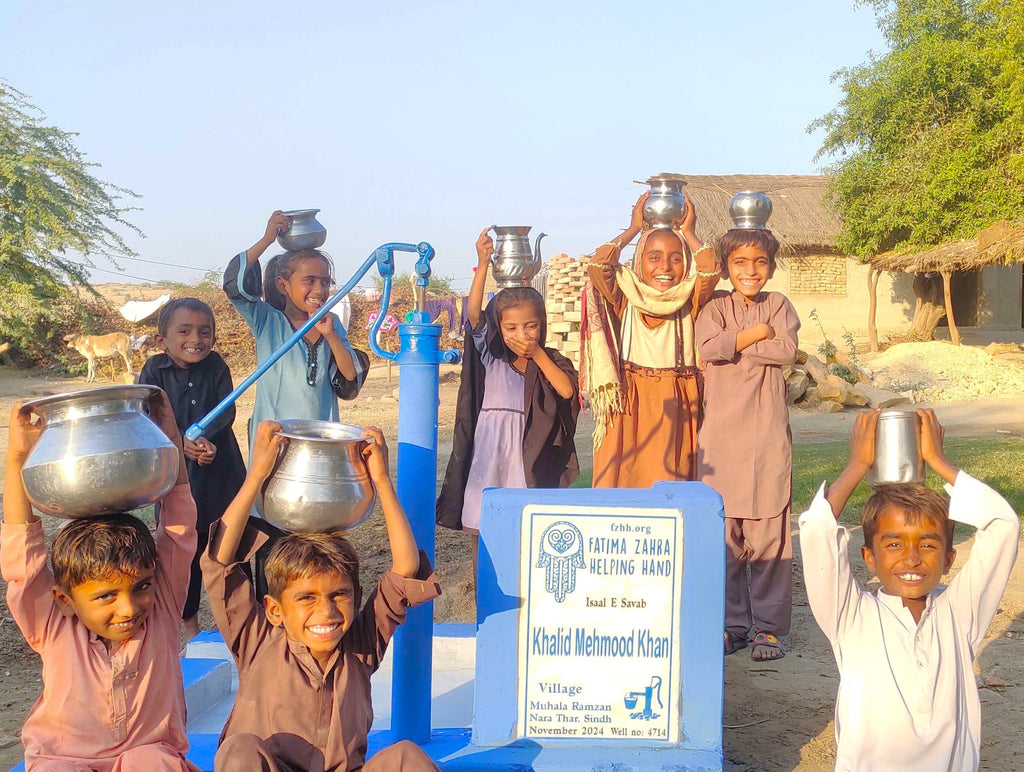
<point>561,553</point>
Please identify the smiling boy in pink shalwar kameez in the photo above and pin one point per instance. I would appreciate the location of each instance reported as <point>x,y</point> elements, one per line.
<point>106,622</point>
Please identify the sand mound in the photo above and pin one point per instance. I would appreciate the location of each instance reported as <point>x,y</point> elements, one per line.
<point>937,371</point>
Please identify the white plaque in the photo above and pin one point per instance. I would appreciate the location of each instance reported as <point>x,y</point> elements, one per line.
<point>599,628</point>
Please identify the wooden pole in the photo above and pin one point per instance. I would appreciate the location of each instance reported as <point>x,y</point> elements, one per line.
<point>947,293</point>
<point>873,274</point>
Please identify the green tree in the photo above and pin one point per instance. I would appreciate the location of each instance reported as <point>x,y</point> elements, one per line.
<point>928,139</point>
<point>55,217</point>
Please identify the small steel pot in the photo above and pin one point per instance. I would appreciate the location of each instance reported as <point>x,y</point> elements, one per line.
<point>897,451</point>
<point>666,205</point>
<point>750,209</point>
<point>99,453</point>
<point>320,483</point>
<point>304,232</point>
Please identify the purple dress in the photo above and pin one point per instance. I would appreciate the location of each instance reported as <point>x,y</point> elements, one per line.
<point>498,440</point>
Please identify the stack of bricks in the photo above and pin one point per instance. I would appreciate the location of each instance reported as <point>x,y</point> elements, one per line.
<point>564,304</point>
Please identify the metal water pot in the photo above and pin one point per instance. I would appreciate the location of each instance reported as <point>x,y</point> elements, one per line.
<point>897,452</point>
<point>304,232</point>
<point>320,483</point>
<point>99,453</point>
<point>666,205</point>
<point>750,209</point>
<point>513,263</point>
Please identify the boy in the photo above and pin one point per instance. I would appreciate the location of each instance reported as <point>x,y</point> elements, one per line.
<point>907,695</point>
<point>745,449</point>
<point>106,623</point>
<point>306,655</point>
<point>196,379</point>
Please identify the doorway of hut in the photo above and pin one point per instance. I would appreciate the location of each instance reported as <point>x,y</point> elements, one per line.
<point>965,289</point>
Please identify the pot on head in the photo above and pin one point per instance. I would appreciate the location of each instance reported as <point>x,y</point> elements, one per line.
<point>750,209</point>
<point>304,232</point>
<point>513,263</point>
<point>320,483</point>
<point>666,205</point>
<point>897,452</point>
<point>99,453</point>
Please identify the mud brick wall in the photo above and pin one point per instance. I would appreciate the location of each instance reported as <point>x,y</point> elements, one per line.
<point>817,275</point>
<point>566,277</point>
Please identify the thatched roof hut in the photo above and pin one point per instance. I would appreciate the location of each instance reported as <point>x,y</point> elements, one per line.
<point>801,218</point>
<point>1000,244</point>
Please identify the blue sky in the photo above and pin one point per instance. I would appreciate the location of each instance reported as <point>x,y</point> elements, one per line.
<point>420,121</point>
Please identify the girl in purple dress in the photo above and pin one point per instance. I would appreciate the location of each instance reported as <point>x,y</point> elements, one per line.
<point>517,407</point>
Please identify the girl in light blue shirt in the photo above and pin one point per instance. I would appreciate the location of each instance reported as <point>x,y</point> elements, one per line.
<point>308,380</point>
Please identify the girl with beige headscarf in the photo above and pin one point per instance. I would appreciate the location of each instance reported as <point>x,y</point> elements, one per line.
<point>639,360</point>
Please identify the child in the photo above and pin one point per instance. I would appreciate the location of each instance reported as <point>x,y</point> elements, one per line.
<point>517,405</point>
<point>907,695</point>
<point>106,622</point>
<point>306,654</point>
<point>196,379</point>
<point>639,361</point>
<point>308,380</point>
<point>745,447</point>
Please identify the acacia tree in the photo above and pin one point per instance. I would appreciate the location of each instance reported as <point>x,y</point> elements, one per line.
<point>927,141</point>
<point>55,216</point>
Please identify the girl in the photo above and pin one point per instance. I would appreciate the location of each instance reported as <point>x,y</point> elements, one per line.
<point>308,380</point>
<point>746,337</point>
<point>639,362</point>
<point>517,407</point>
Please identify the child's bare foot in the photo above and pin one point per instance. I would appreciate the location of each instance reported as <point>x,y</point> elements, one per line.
<point>766,647</point>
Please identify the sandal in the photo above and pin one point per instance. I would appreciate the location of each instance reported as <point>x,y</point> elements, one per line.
<point>734,642</point>
<point>766,647</point>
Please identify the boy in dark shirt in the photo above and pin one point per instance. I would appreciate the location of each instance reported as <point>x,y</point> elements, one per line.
<point>196,379</point>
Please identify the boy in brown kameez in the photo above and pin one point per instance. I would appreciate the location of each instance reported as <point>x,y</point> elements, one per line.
<point>306,655</point>
<point>745,447</point>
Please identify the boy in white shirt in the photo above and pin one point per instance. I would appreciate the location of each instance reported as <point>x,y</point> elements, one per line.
<point>907,694</point>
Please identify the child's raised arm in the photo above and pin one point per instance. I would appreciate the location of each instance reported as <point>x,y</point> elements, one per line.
<point>931,437</point>
<point>264,455</point>
<point>608,253</point>
<point>862,455</point>
<point>277,223</point>
<point>405,555</point>
<point>475,301</point>
<point>21,437</point>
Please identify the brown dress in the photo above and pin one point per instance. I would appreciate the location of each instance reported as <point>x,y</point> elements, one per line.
<point>654,438</point>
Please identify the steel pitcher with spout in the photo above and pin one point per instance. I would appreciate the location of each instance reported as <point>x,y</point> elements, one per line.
<point>513,263</point>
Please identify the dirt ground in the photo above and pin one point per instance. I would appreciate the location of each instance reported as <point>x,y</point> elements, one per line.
<point>778,715</point>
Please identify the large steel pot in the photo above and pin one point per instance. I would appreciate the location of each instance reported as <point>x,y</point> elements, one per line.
<point>513,263</point>
<point>304,232</point>
<point>897,451</point>
<point>99,453</point>
<point>320,483</point>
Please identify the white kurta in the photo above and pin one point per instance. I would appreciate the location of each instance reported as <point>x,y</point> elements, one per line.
<point>907,695</point>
